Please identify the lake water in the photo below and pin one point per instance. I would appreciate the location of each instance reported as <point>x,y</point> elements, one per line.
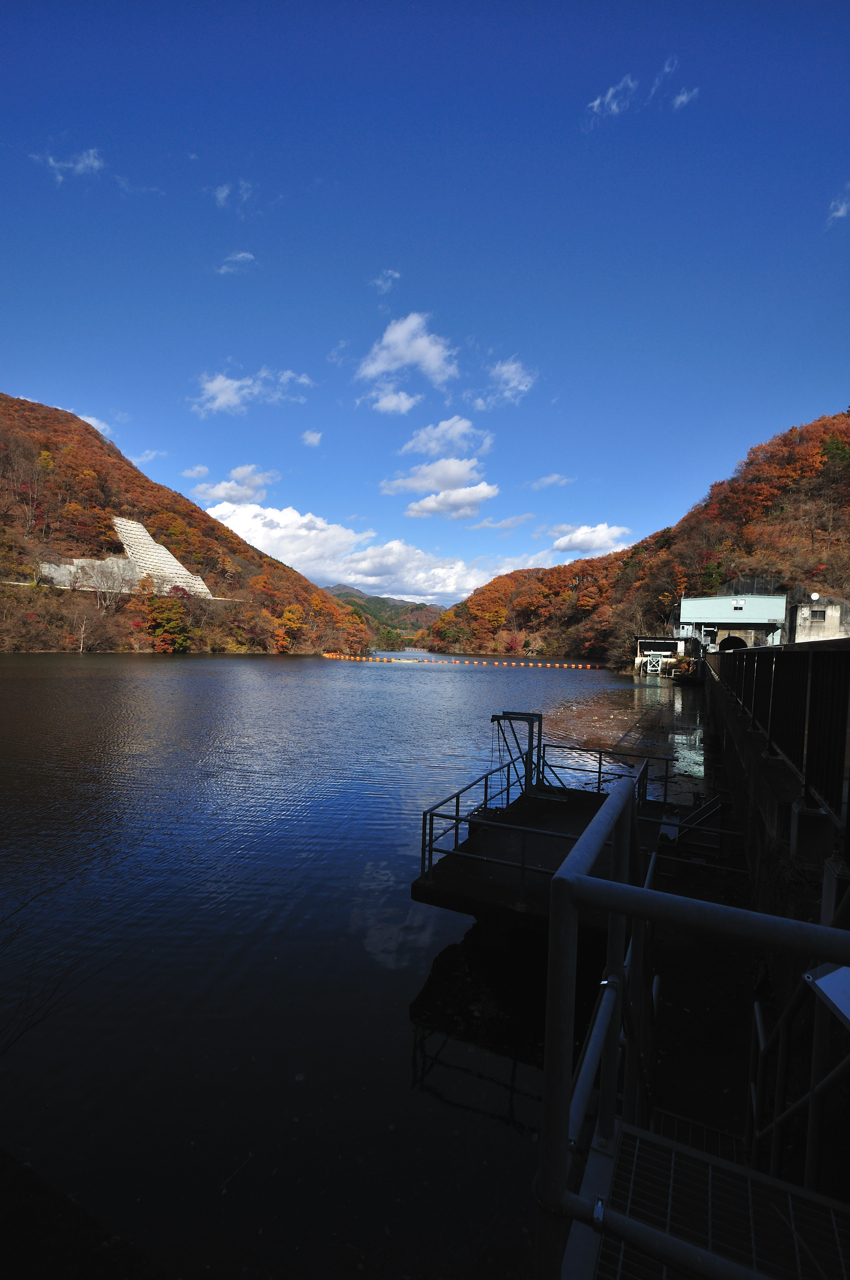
<point>210,955</point>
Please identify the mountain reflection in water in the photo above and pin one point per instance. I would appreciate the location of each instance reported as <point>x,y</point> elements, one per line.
<point>210,958</point>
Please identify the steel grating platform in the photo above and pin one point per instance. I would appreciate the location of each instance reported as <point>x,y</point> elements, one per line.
<point>775,1229</point>
<point>714,1142</point>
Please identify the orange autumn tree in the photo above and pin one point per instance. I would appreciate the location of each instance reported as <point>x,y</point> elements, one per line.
<point>784,515</point>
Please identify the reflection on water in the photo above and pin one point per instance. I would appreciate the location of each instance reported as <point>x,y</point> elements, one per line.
<point>210,946</point>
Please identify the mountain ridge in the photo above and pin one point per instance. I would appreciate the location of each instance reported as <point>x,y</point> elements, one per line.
<point>784,515</point>
<point>61,484</point>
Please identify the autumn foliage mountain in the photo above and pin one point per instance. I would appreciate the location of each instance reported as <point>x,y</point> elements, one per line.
<point>783,516</point>
<point>61,482</point>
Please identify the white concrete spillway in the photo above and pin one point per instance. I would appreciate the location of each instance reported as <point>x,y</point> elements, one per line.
<point>156,561</point>
<point>144,558</point>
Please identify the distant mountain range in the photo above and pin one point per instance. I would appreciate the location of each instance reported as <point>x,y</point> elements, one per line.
<point>403,616</point>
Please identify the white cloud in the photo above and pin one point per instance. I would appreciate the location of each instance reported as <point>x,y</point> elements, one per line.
<point>221,193</point>
<point>385,280</point>
<point>98,425</point>
<point>89,161</point>
<point>510,382</point>
<point>221,394</point>
<point>330,553</point>
<point>196,473</point>
<point>391,401</point>
<point>408,344</point>
<point>456,504</point>
<point>600,538</point>
<point>446,473</point>
<point>840,206</point>
<point>669,67</point>
<point>124,184</point>
<point>312,437</point>
<point>246,484</point>
<point>613,102</point>
<point>510,522</point>
<point>545,481</point>
<point>235,262</point>
<point>148,456</point>
<point>683,97</point>
<point>453,433</point>
<point>246,190</point>
<point>336,356</point>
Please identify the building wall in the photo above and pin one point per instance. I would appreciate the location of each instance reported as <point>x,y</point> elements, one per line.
<point>818,620</point>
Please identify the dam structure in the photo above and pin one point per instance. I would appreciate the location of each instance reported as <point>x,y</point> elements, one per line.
<point>144,558</point>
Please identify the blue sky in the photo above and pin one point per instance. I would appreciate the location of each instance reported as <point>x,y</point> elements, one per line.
<point>409,294</point>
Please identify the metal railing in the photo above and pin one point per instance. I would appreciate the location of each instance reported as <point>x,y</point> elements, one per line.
<point>572,761</point>
<point>623,1007</point>
<point>800,699</point>
<point>479,804</point>
<point>778,1042</point>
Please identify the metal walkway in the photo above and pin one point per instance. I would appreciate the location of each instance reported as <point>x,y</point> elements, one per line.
<point>724,1208</point>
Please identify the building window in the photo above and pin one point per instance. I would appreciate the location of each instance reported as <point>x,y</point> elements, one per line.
<point>818,615</point>
<point>737,607</point>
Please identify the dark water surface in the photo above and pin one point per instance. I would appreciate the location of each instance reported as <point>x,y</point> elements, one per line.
<point>205,872</point>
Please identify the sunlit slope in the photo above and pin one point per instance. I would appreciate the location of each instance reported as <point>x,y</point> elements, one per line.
<point>61,483</point>
<point>784,515</point>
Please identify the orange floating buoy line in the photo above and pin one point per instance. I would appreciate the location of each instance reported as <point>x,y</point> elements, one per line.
<point>475,662</point>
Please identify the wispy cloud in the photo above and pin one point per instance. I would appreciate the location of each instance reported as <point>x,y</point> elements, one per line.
<point>683,97</point>
<point>235,262</point>
<point>457,494</point>
<point>456,504</point>
<point>406,344</point>
<point>510,522</point>
<point>98,425</point>
<point>667,70</point>
<point>246,484</point>
<point>840,206</point>
<point>124,184</point>
<point>389,400</point>
<point>546,481</point>
<point>446,473</point>
<point>453,433</point>
<point>613,102</point>
<point>312,438</point>
<point>85,162</point>
<point>243,191</point>
<point>510,381</point>
<point>336,356</point>
<point>196,473</point>
<point>221,394</point>
<point>385,281</point>
<point>148,456</point>
<point>586,537</point>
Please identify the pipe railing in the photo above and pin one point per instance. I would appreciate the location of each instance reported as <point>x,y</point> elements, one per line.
<point>442,823</point>
<point>625,1004</point>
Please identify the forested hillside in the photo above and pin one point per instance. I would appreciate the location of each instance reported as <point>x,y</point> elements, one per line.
<point>61,482</point>
<point>398,623</point>
<point>783,515</point>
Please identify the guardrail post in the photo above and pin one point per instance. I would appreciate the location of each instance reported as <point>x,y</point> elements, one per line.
<point>599,774</point>
<point>555,1154</point>
<point>779,1100</point>
<point>424,843</point>
<point>610,1068</point>
<point>820,1048</point>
